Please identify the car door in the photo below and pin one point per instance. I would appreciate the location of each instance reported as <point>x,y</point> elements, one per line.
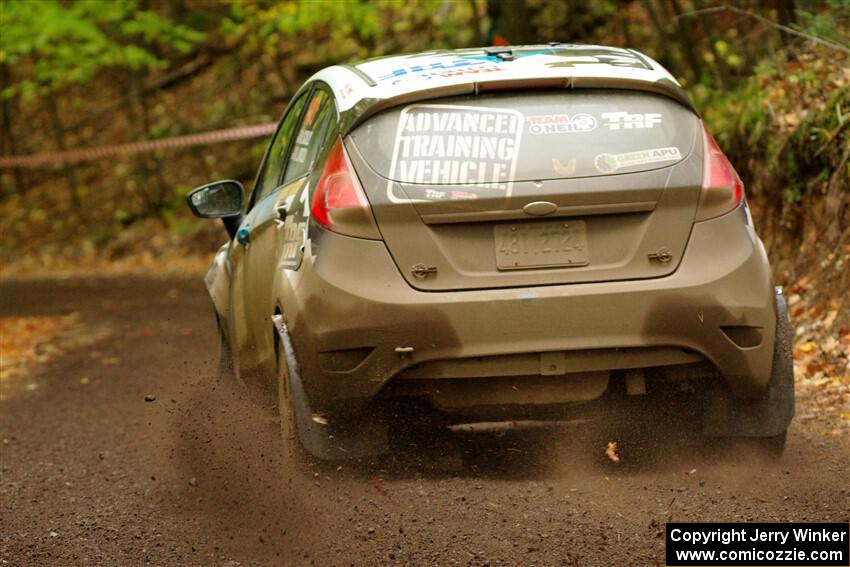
<point>257,220</point>
<point>276,227</point>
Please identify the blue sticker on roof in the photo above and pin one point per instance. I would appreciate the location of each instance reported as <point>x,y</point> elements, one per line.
<point>435,65</point>
<point>432,68</point>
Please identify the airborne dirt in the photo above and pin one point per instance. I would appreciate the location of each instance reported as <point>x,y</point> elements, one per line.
<point>93,474</point>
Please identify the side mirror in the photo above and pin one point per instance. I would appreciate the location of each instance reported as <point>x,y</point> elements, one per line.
<point>217,200</point>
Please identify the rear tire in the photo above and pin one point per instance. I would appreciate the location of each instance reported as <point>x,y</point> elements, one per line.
<point>774,412</point>
<point>781,379</point>
<point>307,435</point>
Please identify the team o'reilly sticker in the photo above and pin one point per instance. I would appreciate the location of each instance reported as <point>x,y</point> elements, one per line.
<point>609,163</point>
<point>463,146</point>
<point>627,121</point>
<point>560,123</point>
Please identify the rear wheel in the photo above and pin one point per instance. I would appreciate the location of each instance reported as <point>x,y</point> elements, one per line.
<point>781,388</point>
<point>309,436</point>
<point>773,413</point>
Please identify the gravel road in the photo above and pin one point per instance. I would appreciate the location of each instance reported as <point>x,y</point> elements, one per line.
<point>93,474</point>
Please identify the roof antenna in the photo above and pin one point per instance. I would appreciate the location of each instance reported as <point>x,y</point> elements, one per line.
<point>503,53</point>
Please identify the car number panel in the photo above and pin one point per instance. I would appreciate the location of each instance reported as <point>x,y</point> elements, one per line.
<point>555,244</point>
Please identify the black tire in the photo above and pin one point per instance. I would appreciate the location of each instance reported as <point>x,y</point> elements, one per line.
<point>308,436</point>
<point>781,380</point>
<point>761,427</point>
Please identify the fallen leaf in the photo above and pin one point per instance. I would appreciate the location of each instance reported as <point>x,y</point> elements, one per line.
<point>801,284</point>
<point>830,318</point>
<point>830,345</point>
<point>807,347</point>
<point>611,452</point>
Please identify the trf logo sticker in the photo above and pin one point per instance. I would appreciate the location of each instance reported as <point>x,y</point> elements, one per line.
<point>626,121</point>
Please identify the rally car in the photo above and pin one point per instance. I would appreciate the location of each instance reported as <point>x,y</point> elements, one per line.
<point>493,233</point>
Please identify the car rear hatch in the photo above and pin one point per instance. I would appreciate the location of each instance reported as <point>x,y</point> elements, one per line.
<point>533,187</point>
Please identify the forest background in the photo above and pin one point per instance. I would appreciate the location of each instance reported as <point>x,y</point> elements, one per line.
<point>770,77</point>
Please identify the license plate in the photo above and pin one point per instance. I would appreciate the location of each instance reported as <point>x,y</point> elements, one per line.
<point>541,244</point>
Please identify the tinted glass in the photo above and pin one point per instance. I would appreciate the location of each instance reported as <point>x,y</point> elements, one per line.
<point>319,120</point>
<point>270,178</point>
<point>492,139</point>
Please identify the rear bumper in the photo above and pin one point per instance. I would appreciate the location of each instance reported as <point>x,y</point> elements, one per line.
<point>352,312</point>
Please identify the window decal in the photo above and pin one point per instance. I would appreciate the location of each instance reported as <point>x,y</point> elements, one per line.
<point>610,163</point>
<point>471,147</point>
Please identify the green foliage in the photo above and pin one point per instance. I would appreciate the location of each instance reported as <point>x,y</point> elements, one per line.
<point>787,127</point>
<point>824,23</point>
<point>342,31</point>
<point>771,110</point>
<point>50,44</point>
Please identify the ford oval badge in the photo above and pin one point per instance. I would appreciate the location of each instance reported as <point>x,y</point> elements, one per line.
<point>540,208</point>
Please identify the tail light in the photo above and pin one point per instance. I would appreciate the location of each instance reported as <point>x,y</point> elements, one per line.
<point>722,190</point>
<point>339,203</point>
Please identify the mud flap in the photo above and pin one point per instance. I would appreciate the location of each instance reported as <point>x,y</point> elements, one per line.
<point>726,416</point>
<point>328,441</point>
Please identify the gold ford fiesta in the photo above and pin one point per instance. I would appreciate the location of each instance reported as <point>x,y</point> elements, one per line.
<point>496,233</point>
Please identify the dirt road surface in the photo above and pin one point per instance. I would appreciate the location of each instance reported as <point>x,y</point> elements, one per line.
<point>93,474</point>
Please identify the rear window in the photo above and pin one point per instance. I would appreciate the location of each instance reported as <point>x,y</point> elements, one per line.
<point>490,141</point>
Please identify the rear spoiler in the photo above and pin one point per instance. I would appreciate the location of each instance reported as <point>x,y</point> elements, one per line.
<point>368,107</point>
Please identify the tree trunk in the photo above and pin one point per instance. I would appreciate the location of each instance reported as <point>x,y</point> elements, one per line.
<point>137,116</point>
<point>687,39</point>
<point>476,23</point>
<point>662,43</point>
<point>720,68</point>
<point>787,14</point>
<point>176,10</point>
<point>68,171</point>
<point>10,144</point>
<point>512,19</point>
<point>628,41</point>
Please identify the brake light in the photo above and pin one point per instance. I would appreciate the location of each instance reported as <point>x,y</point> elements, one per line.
<point>339,203</point>
<point>722,190</point>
